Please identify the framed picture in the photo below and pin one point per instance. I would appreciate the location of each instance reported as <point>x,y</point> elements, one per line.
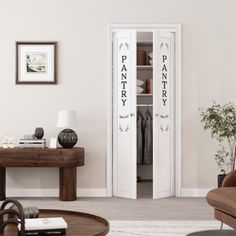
<point>36,62</point>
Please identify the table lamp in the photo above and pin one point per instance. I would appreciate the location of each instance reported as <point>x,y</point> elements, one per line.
<point>67,138</point>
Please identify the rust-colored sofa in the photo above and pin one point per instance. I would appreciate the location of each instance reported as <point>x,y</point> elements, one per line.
<point>224,200</point>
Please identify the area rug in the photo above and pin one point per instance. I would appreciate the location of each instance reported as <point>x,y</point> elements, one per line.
<point>160,228</point>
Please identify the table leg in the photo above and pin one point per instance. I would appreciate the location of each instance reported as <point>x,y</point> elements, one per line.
<point>67,182</point>
<point>2,183</point>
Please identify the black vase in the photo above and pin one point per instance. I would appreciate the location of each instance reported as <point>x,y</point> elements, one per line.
<point>220,179</point>
<point>67,138</point>
<point>39,132</point>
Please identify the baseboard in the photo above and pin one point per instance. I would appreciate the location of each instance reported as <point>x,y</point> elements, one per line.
<point>28,192</point>
<point>92,192</point>
<point>195,192</point>
<point>89,192</point>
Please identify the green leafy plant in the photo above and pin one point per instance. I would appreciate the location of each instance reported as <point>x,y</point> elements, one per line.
<point>221,121</point>
<point>223,160</point>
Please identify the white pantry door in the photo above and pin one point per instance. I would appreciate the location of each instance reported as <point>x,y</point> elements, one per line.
<point>124,114</point>
<point>163,120</point>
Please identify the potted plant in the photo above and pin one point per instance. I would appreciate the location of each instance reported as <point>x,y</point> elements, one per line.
<point>221,121</point>
<point>224,162</point>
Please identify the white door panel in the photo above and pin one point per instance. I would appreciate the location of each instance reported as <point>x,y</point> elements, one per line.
<point>124,114</point>
<point>163,156</point>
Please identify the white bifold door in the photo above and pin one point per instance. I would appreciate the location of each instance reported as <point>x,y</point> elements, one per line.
<point>124,114</point>
<point>163,119</point>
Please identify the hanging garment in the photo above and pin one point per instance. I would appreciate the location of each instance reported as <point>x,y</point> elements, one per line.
<point>140,143</point>
<point>148,144</point>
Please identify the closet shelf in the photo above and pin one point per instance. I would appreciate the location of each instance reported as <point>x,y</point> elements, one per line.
<point>145,43</point>
<point>144,67</point>
<point>144,105</point>
<point>145,95</point>
<point>144,164</point>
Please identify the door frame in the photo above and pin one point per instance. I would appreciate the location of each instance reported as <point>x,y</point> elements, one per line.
<point>178,74</point>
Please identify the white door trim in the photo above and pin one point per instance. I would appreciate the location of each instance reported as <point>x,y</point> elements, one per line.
<point>178,137</point>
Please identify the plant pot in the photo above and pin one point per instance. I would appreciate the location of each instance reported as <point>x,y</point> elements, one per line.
<point>220,179</point>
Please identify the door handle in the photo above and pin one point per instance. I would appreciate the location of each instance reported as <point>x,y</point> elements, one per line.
<point>157,114</point>
<point>132,114</point>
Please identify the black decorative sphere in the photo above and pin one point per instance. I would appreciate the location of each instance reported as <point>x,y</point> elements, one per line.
<point>38,133</point>
<point>67,138</point>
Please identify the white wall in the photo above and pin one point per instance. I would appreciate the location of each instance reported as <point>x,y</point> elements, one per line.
<point>80,28</point>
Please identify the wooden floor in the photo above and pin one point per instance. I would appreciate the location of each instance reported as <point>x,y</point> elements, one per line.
<point>144,189</point>
<point>125,209</point>
<point>144,208</point>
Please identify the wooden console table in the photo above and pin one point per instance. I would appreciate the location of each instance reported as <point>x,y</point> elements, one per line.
<point>66,159</point>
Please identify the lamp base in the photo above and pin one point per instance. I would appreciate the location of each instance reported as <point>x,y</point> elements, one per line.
<point>67,138</point>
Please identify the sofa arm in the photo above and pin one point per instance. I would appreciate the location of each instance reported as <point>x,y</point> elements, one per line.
<point>230,180</point>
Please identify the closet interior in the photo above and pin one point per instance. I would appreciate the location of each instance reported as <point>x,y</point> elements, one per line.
<point>144,114</point>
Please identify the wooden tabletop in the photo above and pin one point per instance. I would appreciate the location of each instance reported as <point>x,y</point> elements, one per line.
<point>41,157</point>
<point>79,224</point>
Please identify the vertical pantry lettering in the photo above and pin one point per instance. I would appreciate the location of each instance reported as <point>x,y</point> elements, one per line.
<point>123,80</point>
<point>164,79</point>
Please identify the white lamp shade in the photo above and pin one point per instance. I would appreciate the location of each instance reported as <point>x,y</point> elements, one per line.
<point>67,119</point>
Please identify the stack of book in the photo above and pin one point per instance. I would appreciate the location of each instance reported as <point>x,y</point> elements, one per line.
<point>45,226</point>
<point>32,143</point>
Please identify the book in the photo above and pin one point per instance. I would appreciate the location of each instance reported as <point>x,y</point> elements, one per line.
<point>45,232</point>
<point>52,223</point>
<point>32,141</point>
<point>30,145</point>
<point>29,136</point>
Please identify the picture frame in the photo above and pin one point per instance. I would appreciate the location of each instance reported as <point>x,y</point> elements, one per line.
<point>36,62</point>
<point>53,143</point>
